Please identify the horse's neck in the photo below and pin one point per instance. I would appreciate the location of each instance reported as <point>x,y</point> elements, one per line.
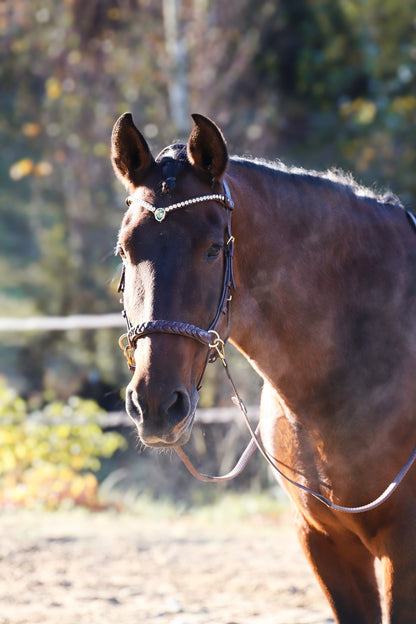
<point>284,310</point>
<point>272,301</point>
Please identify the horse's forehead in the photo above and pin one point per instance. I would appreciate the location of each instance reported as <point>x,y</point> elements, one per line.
<point>171,180</point>
<point>195,222</point>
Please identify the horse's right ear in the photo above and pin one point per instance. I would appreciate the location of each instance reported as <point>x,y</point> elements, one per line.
<point>206,149</point>
<point>130,154</point>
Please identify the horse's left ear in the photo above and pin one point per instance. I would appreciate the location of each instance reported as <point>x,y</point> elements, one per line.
<point>206,149</point>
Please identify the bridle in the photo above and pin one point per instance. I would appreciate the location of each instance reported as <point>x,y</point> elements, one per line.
<point>208,337</point>
<point>211,339</point>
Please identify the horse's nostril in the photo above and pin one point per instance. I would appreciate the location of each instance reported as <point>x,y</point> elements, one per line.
<point>176,407</point>
<point>133,406</point>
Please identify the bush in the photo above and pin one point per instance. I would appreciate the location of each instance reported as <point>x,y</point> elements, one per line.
<point>48,457</point>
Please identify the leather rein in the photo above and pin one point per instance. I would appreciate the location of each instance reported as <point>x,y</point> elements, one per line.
<point>215,344</point>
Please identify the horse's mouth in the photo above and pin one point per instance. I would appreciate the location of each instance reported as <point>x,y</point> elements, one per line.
<point>176,436</point>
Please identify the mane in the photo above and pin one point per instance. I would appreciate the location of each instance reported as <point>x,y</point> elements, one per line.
<point>172,159</point>
<point>333,177</point>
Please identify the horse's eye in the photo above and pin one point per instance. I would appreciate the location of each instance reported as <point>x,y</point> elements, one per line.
<point>213,252</point>
<point>121,252</point>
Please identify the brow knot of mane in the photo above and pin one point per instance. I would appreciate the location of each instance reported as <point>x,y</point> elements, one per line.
<point>172,159</point>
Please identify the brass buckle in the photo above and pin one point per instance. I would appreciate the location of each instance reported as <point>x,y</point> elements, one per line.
<point>128,351</point>
<point>218,345</point>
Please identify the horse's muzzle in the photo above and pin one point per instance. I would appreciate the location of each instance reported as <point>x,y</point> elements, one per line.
<point>163,423</point>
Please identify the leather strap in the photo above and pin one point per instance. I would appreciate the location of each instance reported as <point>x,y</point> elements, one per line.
<point>169,327</point>
<point>134,333</point>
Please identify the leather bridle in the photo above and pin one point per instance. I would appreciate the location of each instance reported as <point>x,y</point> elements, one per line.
<point>208,337</point>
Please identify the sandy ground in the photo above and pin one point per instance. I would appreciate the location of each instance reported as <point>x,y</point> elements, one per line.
<point>75,568</point>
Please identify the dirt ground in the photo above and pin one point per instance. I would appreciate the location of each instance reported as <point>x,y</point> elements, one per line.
<point>76,568</point>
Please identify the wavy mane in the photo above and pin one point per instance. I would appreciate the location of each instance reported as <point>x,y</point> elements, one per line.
<point>333,176</point>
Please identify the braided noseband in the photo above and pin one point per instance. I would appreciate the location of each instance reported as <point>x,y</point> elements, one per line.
<point>169,327</point>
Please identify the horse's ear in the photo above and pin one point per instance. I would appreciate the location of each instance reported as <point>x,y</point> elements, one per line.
<point>206,149</point>
<point>130,154</point>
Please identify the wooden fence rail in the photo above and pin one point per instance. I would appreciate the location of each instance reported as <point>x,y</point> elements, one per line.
<point>99,321</point>
<point>61,323</point>
<point>204,416</point>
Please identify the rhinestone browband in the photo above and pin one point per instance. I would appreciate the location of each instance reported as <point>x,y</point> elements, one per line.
<point>160,213</point>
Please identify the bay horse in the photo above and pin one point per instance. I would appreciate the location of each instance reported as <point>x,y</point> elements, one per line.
<point>313,278</point>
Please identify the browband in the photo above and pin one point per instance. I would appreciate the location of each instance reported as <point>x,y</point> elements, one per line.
<point>161,212</point>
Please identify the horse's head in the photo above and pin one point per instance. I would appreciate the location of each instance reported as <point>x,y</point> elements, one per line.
<point>177,256</point>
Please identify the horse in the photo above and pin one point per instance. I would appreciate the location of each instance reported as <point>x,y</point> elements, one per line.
<point>313,278</point>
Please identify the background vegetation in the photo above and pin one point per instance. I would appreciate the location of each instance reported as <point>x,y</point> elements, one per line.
<point>49,457</point>
<point>317,82</point>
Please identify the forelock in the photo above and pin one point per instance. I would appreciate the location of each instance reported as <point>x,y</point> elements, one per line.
<point>172,160</point>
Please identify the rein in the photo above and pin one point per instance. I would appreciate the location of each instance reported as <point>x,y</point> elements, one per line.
<point>256,444</point>
<point>215,344</point>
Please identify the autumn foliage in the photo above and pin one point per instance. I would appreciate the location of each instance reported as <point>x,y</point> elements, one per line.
<point>48,457</point>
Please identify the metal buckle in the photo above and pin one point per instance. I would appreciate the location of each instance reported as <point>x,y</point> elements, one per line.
<point>218,345</point>
<point>128,351</point>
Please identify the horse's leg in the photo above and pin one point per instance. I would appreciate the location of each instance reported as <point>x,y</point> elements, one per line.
<point>399,573</point>
<point>345,570</point>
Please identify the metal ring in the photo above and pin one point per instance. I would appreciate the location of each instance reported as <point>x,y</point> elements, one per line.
<point>217,344</point>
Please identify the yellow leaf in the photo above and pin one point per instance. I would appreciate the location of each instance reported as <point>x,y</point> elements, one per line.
<point>53,88</point>
<point>31,130</point>
<point>21,168</point>
<point>43,169</point>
